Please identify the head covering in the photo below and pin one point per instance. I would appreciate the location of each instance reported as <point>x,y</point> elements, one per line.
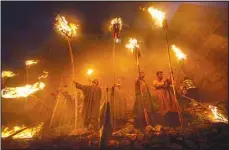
<point>96,81</point>
<point>158,72</point>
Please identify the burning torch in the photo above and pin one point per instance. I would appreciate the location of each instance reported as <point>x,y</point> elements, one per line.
<point>180,56</point>
<point>135,49</point>
<point>160,20</point>
<point>89,73</point>
<point>5,75</point>
<point>28,64</point>
<point>68,31</point>
<point>133,46</point>
<point>115,28</point>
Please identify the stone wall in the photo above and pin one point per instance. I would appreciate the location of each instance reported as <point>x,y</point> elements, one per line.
<point>203,31</point>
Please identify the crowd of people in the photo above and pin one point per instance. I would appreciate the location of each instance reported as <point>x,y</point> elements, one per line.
<point>143,108</point>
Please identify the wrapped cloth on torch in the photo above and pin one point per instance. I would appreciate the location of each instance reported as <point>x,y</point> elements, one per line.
<point>116,30</point>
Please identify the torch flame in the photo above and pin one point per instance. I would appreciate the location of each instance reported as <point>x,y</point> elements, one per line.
<point>44,76</point>
<point>157,15</point>
<point>31,62</point>
<point>180,55</point>
<point>217,117</point>
<point>7,74</point>
<point>64,28</point>
<point>27,133</point>
<point>133,43</point>
<point>24,91</point>
<point>115,21</point>
<point>90,71</point>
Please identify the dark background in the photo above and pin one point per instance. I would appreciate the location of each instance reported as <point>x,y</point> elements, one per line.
<point>27,27</point>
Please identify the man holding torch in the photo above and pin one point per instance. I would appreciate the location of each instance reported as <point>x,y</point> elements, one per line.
<point>143,103</point>
<point>165,95</point>
<point>91,105</point>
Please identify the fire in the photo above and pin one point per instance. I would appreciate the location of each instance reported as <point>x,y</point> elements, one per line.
<point>7,74</point>
<point>116,21</point>
<point>27,133</point>
<point>90,71</point>
<point>64,28</point>
<point>217,117</point>
<point>133,43</point>
<point>180,55</point>
<point>157,15</point>
<point>24,91</point>
<point>44,76</point>
<point>31,62</point>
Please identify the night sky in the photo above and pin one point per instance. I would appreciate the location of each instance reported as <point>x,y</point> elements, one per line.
<point>26,25</point>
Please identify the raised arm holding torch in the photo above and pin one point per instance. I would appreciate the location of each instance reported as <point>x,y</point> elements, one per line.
<point>160,20</point>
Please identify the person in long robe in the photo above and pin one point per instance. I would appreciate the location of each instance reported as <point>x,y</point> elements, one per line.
<point>118,105</point>
<point>163,90</point>
<point>143,106</point>
<point>91,104</point>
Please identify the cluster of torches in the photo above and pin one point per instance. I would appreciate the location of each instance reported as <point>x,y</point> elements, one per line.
<point>26,90</point>
<point>69,30</point>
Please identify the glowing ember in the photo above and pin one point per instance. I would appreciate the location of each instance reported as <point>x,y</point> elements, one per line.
<point>7,74</point>
<point>133,43</point>
<point>64,28</point>
<point>31,62</point>
<point>157,15</point>
<point>180,55</point>
<point>44,76</point>
<point>90,71</point>
<point>27,133</point>
<point>217,117</point>
<point>116,21</point>
<point>24,91</point>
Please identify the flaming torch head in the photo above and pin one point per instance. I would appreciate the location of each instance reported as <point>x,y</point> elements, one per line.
<point>7,74</point>
<point>157,15</point>
<point>180,55</point>
<point>132,44</point>
<point>29,63</point>
<point>67,30</point>
<point>116,24</point>
<point>89,72</point>
<point>24,91</point>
